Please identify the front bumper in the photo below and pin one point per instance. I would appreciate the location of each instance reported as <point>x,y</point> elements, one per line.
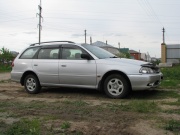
<point>145,81</point>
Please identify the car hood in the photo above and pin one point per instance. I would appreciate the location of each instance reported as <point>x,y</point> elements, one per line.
<point>123,61</point>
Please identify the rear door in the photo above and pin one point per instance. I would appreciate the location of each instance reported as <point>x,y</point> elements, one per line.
<point>46,65</point>
<point>73,70</point>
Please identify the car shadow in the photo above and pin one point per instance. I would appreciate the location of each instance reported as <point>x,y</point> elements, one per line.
<point>150,94</point>
<point>95,94</point>
<point>74,92</point>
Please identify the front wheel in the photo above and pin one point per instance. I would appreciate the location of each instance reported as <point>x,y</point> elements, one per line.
<point>116,86</point>
<point>31,84</point>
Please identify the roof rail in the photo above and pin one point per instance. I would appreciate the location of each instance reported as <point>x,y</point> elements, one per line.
<point>51,42</point>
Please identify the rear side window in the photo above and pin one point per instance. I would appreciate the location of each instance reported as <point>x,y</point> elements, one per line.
<point>48,53</point>
<point>29,53</point>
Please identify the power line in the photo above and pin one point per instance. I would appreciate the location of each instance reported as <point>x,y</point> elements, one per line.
<point>152,10</point>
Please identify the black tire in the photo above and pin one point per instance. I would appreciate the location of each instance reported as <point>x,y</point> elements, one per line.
<point>31,84</point>
<point>116,86</point>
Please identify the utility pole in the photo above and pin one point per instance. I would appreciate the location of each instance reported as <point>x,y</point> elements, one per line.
<point>85,36</point>
<point>119,47</point>
<point>163,35</point>
<point>106,42</point>
<point>91,40</point>
<point>40,19</point>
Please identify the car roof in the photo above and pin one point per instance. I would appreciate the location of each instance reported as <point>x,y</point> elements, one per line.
<point>52,43</point>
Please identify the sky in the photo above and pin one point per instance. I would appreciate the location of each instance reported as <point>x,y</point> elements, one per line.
<point>135,24</point>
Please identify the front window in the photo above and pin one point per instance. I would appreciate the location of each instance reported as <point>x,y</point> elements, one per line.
<point>73,53</point>
<point>99,52</point>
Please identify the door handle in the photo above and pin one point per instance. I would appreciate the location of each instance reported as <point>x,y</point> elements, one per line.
<point>63,65</point>
<point>35,64</point>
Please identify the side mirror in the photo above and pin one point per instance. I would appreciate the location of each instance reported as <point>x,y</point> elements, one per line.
<point>85,56</point>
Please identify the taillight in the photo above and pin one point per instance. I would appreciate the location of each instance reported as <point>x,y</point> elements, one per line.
<point>12,64</point>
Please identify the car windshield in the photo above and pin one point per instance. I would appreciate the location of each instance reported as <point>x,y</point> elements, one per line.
<point>99,52</point>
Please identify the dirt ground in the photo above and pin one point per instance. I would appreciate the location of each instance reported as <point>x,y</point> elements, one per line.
<point>5,76</point>
<point>92,119</point>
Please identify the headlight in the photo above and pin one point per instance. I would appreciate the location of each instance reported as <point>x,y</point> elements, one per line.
<point>146,70</point>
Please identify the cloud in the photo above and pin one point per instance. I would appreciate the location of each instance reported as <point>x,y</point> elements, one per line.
<point>13,34</point>
<point>30,32</point>
<point>155,42</point>
<point>108,34</point>
<point>77,35</point>
<point>119,35</point>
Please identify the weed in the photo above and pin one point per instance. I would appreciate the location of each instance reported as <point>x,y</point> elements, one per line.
<point>170,84</point>
<point>5,68</point>
<point>82,111</point>
<point>173,111</point>
<point>5,81</point>
<point>3,127</point>
<point>65,125</point>
<point>78,103</point>
<point>173,125</point>
<point>24,126</point>
<point>167,94</point>
<point>136,106</point>
<point>99,109</point>
<point>177,103</point>
<point>171,73</point>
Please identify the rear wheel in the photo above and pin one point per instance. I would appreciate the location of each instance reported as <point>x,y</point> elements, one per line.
<point>116,86</point>
<point>31,84</point>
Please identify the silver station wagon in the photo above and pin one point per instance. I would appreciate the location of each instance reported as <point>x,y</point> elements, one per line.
<point>67,64</point>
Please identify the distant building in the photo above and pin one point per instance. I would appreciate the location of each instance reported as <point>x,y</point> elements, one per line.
<point>107,47</point>
<point>135,55</point>
<point>170,53</point>
<point>143,56</point>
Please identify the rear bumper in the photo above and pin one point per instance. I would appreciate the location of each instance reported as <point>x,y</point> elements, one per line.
<point>16,76</point>
<point>145,81</point>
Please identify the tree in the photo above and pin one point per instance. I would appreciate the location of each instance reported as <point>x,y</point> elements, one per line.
<point>123,55</point>
<point>5,55</point>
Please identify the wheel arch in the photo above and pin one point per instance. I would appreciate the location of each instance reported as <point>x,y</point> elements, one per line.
<point>110,73</point>
<point>25,74</point>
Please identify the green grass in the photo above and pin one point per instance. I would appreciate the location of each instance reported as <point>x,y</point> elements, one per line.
<point>5,81</point>
<point>77,103</point>
<point>140,106</point>
<point>173,125</point>
<point>24,105</point>
<point>153,94</point>
<point>5,68</point>
<point>171,77</point>
<point>170,84</point>
<point>171,73</point>
<point>24,127</point>
<point>65,125</point>
<point>172,111</point>
<point>177,103</point>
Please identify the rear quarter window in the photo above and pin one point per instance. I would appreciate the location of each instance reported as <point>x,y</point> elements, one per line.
<point>29,53</point>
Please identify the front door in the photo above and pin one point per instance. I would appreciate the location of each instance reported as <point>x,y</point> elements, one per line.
<point>75,71</point>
